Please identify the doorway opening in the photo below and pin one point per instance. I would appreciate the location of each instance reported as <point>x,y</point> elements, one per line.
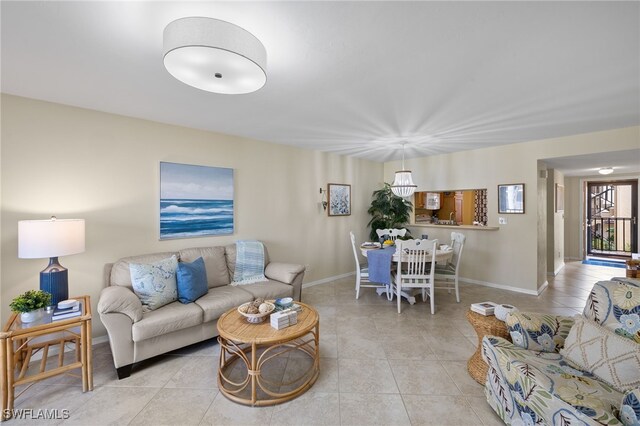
<point>611,219</point>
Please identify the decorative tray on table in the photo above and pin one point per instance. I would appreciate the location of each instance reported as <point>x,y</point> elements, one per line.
<point>248,310</point>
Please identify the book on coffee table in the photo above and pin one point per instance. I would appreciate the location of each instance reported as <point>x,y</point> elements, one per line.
<point>484,308</point>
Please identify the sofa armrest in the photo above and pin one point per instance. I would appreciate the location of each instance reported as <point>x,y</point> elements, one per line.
<point>117,299</point>
<point>283,272</point>
<point>287,273</point>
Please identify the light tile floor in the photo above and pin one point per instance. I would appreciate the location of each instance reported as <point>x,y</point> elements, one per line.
<point>377,366</point>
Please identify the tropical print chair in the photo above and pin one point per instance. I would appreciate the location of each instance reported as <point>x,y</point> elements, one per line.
<point>570,371</point>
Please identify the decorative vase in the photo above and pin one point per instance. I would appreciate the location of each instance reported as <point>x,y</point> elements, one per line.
<point>31,316</point>
<point>501,311</point>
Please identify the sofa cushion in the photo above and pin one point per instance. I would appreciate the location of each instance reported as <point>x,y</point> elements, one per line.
<point>120,272</point>
<point>221,299</point>
<point>172,317</point>
<point>155,283</point>
<point>192,280</point>
<point>269,290</point>
<point>615,305</point>
<point>612,358</point>
<point>538,332</point>
<point>214,260</point>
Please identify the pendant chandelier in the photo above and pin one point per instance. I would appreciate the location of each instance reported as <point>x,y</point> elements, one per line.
<point>403,185</point>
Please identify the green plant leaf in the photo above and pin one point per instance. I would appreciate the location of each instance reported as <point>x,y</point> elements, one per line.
<point>387,211</point>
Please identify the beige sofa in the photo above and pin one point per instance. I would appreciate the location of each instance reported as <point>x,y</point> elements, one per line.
<point>135,335</point>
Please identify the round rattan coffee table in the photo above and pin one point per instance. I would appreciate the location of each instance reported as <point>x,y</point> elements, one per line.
<point>248,350</point>
<point>484,326</point>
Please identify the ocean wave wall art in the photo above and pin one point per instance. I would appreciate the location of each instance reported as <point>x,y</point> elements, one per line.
<point>195,201</point>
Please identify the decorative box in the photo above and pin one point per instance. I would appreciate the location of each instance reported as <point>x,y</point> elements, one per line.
<point>283,319</point>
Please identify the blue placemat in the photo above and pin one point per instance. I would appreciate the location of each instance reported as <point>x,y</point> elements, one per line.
<point>380,265</point>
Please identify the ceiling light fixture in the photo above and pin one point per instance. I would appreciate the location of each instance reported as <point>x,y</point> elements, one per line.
<point>403,185</point>
<point>606,170</point>
<point>214,55</point>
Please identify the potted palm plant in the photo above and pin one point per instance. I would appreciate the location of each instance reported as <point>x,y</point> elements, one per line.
<point>387,210</point>
<point>31,305</point>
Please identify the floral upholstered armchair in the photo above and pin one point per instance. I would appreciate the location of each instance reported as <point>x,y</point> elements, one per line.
<point>570,371</point>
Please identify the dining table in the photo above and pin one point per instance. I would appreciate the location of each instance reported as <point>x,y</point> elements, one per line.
<point>443,254</point>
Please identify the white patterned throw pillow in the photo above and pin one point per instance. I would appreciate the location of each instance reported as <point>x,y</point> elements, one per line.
<point>155,283</point>
<point>598,350</point>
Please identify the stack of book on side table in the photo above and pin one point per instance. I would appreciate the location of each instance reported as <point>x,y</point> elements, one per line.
<point>484,308</point>
<point>67,309</point>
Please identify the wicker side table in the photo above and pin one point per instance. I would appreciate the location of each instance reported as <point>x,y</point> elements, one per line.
<point>484,326</point>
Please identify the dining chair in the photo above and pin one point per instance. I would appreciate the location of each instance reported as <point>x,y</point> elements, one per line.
<point>392,233</point>
<point>416,268</point>
<point>448,273</point>
<point>362,272</point>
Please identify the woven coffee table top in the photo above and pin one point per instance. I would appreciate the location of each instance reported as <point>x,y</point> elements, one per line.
<point>235,327</point>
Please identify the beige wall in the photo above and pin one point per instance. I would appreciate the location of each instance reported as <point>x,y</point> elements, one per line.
<point>77,163</point>
<point>514,256</point>
<point>573,218</point>
<point>555,224</point>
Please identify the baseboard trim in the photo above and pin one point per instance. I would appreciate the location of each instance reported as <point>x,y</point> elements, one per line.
<point>328,279</point>
<point>573,258</point>
<point>503,287</point>
<point>543,287</point>
<point>462,279</point>
<point>557,271</point>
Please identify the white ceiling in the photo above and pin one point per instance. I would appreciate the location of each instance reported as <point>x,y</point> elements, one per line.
<point>623,162</point>
<point>355,78</point>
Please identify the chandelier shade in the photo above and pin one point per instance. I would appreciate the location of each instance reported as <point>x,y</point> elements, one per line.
<point>214,55</point>
<point>403,185</point>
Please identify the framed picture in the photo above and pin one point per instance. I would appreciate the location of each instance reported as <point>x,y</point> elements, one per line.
<point>195,201</point>
<point>339,199</point>
<point>511,198</point>
<point>559,197</point>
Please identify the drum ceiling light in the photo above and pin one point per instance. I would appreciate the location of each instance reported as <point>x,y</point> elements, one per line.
<point>606,170</point>
<point>214,55</point>
<point>403,185</point>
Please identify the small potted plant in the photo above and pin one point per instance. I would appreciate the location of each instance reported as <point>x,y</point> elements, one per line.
<point>31,305</point>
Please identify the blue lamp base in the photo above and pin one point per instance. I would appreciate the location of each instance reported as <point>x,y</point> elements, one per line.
<point>54,279</point>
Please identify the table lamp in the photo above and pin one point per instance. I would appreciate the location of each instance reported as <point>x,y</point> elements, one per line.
<point>51,238</point>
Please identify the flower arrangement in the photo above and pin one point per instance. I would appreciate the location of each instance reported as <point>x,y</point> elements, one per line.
<point>30,301</point>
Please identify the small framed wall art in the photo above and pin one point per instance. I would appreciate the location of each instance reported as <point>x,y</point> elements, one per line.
<point>511,198</point>
<point>339,199</point>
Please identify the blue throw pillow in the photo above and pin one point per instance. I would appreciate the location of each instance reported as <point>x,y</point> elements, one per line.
<point>192,280</point>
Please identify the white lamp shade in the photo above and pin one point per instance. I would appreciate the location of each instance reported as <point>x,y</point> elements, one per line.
<point>50,238</point>
<point>214,55</point>
<point>403,185</point>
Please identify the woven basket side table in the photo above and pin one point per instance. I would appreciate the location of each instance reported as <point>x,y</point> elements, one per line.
<point>484,326</point>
